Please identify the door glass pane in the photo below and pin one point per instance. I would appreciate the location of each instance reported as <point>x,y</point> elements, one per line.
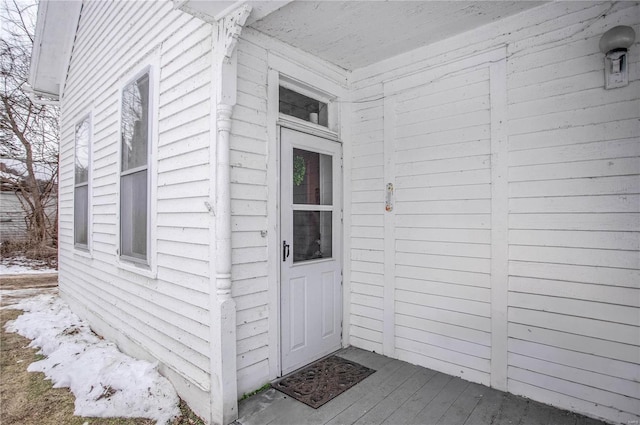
<point>312,178</point>
<point>311,235</point>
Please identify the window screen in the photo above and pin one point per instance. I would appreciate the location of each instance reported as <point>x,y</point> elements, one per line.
<point>81,184</point>
<point>134,175</point>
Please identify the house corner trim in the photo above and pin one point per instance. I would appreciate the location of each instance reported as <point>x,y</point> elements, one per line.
<point>224,386</point>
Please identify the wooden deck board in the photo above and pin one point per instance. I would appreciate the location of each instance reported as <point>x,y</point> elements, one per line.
<point>393,401</point>
<point>510,407</point>
<point>464,405</point>
<point>486,410</point>
<point>433,411</point>
<point>401,393</point>
<point>416,403</point>
<point>374,396</point>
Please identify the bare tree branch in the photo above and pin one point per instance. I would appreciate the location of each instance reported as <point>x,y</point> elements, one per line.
<point>28,132</point>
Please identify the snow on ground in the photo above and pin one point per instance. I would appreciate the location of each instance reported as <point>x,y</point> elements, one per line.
<point>9,296</point>
<point>105,382</point>
<point>23,265</point>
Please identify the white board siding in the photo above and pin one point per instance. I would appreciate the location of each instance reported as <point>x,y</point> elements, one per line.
<point>573,196</point>
<point>574,222</point>
<point>13,221</point>
<point>166,317</point>
<point>248,158</point>
<point>367,226</point>
<point>442,261</point>
<point>575,215</point>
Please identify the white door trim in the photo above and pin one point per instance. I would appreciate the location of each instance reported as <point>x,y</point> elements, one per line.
<point>300,67</point>
<point>319,280</point>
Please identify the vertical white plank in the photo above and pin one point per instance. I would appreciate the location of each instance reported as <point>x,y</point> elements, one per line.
<point>499,224</point>
<point>273,222</point>
<point>347,155</point>
<point>388,327</point>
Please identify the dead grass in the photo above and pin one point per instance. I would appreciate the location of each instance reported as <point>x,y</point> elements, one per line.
<point>28,398</point>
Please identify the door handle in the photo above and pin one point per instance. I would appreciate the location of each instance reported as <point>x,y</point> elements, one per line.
<point>285,250</point>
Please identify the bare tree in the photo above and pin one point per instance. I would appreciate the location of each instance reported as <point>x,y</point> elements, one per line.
<point>28,131</point>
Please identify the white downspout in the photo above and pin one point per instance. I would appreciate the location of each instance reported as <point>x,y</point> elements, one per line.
<point>224,387</point>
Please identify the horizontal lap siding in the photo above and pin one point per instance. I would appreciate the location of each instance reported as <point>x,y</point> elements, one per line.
<point>574,259</point>
<point>13,225</point>
<point>248,159</point>
<point>367,230</point>
<point>442,231</point>
<point>165,316</point>
<point>573,199</point>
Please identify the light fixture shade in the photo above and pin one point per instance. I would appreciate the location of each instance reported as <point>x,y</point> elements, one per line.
<point>620,37</point>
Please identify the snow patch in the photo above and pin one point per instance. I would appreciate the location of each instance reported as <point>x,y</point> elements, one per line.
<point>22,265</point>
<point>105,382</point>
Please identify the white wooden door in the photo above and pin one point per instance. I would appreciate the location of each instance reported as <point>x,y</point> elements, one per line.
<point>311,269</point>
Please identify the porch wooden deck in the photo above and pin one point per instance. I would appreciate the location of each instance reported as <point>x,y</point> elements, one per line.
<point>401,393</point>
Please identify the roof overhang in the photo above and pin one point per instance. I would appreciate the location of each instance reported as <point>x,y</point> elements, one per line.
<point>55,31</point>
<point>212,11</point>
<point>354,34</point>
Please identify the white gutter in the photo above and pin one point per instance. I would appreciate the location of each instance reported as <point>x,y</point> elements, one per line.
<point>41,98</point>
<point>54,36</point>
<point>224,376</point>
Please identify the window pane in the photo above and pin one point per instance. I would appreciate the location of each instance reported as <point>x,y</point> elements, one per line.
<point>81,215</point>
<point>303,107</point>
<point>135,123</point>
<point>82,152</point>
<point>133,215</point>
<point>311,235</point>
<point>312,178</point>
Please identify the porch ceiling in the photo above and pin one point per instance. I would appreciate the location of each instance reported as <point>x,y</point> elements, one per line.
<point>354,34</point>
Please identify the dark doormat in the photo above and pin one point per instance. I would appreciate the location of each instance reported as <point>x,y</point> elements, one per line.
<point>321,381</point>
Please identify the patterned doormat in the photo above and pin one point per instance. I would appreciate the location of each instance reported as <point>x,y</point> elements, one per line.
<point>319,382</point>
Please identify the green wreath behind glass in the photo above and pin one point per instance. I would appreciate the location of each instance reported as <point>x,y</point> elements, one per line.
<point>299,170</point>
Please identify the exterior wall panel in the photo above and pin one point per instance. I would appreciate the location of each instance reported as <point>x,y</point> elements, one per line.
<point>573,213</point>
<point>160,314</point>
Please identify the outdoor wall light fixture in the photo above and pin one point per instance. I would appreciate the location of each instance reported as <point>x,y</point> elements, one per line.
<point>614,44</point>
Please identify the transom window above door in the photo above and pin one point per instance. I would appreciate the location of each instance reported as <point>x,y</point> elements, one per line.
<point>306,108</point>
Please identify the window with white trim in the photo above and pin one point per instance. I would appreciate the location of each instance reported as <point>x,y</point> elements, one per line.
<point>81,184</point>
<point>135,137</point>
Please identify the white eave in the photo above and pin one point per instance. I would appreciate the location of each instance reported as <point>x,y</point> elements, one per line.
<point>212,11</point>
<point>354,34</point>
<point>55,31</point>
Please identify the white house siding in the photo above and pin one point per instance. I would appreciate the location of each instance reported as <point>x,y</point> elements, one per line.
<point>253,279</point>
<point>13,218</point>
<point>443,222</point>
<point>367,225</point>
<point>163,317</point>
<point>574,223</point>
<point>249,217</point>
<point>573,335</point>
<point>13,221</point>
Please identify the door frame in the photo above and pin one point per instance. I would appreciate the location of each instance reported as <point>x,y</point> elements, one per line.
<point>329,87</point>
<point>275,286</point>
<point>328,146</point>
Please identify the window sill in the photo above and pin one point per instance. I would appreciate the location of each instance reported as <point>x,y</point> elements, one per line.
<point>82,252</point>
<point>137,268</point>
